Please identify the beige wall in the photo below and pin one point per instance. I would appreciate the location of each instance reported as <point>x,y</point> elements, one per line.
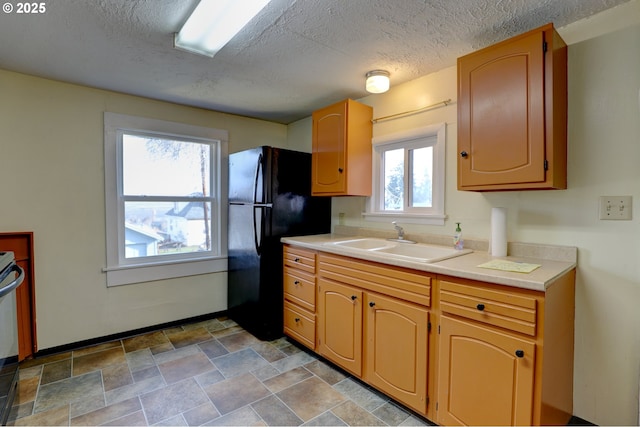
<point>52,174</point>
<point>52,138</point>
<point>604,150</point>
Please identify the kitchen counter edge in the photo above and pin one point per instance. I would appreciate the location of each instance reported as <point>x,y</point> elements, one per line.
<point>463,266</point>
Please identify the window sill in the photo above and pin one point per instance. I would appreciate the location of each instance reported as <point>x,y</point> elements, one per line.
<point>407,218</point>
<point>130,274</point>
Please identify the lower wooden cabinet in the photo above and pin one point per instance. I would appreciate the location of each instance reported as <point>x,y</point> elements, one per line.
<point>395,345</point>
<point>486,376</point>
<point>340,325</point>
<point>380,338</point>
<point>495,355</point>
<point>505,354</point>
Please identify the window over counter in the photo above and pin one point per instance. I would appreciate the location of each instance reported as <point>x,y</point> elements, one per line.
<point>409,176</point>
<point>165,198</point>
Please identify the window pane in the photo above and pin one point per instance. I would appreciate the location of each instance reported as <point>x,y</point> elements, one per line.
<point>164,167</point>
<point>393,179</point>
<point>164,228</point>
<point>422,171</point>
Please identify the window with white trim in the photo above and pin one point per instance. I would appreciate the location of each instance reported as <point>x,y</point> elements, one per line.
<point>409,176</point>
<point>165,198</point>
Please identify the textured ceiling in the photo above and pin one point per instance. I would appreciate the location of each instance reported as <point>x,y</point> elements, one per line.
<point>294,57</point>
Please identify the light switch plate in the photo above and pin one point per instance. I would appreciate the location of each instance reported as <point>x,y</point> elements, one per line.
<point>615,207</point>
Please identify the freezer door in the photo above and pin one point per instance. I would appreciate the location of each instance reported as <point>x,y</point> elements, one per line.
<point>246,176</point>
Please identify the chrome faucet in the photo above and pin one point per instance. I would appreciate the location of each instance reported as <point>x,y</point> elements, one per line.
<point>399,229</point>
<point>400,237</point>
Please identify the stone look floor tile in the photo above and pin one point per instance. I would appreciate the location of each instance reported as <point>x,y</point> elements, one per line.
<point>27,390</point>
<point>238,341</point>
<point>213,349</point>
<point>236,392</point>
<point>206,373</point>
<point>56,371</point>
<point>240,362</point>
<point>115,376</point>
<point>108,413</point>
<point>95,361</point>
<point>185,367</point>
<point>201,414</point>
<point>355,415</point>
<point>144,341</point>
<point>286,379</point>
<point>275,413</point>
<point>95,348</point>
<point>53,417</point>
<point>172,400</point>
<point>189,337</point>
<point>310,398</point>
<point>71,389</point>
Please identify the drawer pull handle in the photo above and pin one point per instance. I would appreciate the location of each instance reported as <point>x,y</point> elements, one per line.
<point>297,282</point>
<point>371,304</point>
<point>480,307</point>
<point>353,297</point>
<point>519,353</point>
<point>297,319</point>
<point>296,260</point>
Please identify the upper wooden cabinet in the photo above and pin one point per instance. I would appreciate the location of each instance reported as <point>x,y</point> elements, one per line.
<point>342,148</point>
<point>512,114</point>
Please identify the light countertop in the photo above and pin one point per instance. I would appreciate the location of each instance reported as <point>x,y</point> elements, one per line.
<point>554,261</point>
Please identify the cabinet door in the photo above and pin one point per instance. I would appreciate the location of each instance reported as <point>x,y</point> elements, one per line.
<point>501,114</point>
<point>340,324</point>
<point>396,349</point>
<point>329,150</point>
<point>485,376</point>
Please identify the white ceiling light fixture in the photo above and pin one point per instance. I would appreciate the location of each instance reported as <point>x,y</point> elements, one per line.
<point>213,23</point>
<point>377,81</point>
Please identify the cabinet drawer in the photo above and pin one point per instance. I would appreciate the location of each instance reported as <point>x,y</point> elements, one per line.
<point>300,325</point>
<point>302,259</point>
<point>389,280</point>
<point>300,288</point>
<point>501,308</point>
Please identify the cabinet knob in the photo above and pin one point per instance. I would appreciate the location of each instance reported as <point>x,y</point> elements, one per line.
<point>297,282</point>
<point>296,260</point>
<point>371,304</point>
<point>353,297</point>
<point>519,353</point>
<point>464,154</point>
<point>297,319</point>
<point>480,307</point>
<point>340,170</point>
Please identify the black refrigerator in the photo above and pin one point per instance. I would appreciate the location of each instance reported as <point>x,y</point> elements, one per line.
<point>269,198</point>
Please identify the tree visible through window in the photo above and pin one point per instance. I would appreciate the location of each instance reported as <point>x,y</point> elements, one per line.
<point>165,199</point>
<point>166,192</point>
<point>409,175</point>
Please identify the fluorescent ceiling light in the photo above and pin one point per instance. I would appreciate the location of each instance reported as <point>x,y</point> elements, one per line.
<point>214,22</point>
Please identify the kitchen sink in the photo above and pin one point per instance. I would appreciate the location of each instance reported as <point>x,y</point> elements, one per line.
<point>419,252</point>
<point>423,252</point>
<point>366,244</point>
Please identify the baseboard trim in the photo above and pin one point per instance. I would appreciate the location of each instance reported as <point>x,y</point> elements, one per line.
<point>122,335</point>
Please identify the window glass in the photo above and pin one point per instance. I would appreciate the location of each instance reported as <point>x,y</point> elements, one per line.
<point>421,161</point>
<point>165,199</point>
<point>408,176</point>
<point>394,179</point>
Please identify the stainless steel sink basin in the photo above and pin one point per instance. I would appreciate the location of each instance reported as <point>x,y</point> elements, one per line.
<point>419,252</point>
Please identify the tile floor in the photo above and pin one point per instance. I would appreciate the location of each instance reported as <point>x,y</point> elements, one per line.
<point>205,373</point>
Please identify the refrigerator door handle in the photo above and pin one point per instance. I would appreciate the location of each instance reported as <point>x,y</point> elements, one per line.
<point>257,235</point>
<point>256,179</point>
